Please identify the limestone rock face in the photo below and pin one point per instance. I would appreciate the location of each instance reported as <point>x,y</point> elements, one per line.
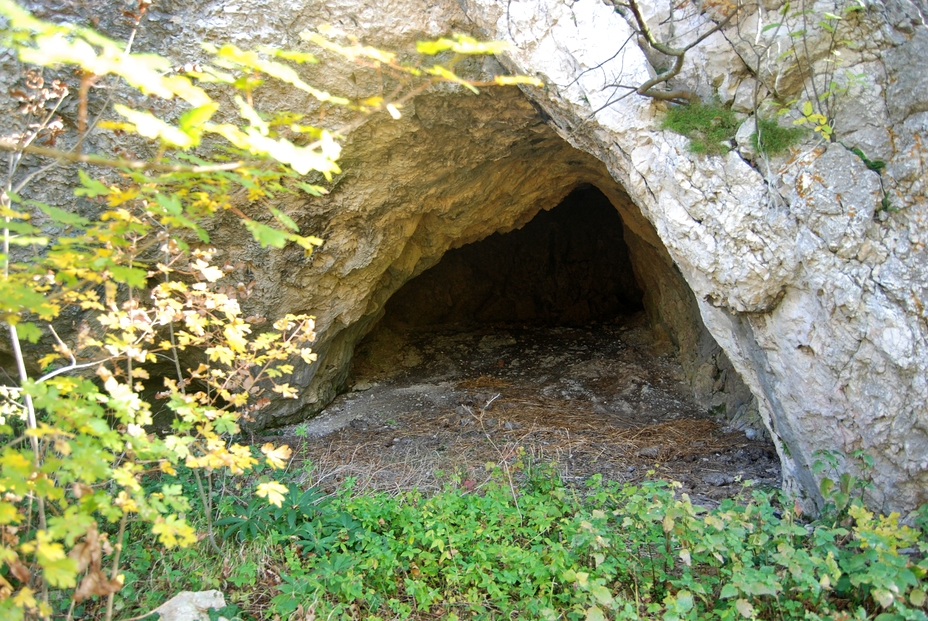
<point>805,273</point>
<point>812,287</point>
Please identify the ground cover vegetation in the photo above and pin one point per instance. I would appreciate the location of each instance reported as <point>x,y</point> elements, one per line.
<point>101,516</point>
<point>521,544</point>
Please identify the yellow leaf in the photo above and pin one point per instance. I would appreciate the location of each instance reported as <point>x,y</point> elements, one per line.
<point>25,599</point>
<point>46,360</point>
<point>277,457</point>
<point>172,532</point>
<point>150,126</point>
<point>512,80</point>
<point>222,354</point>
<point>235,337</point>
<point>209,272</point>
<point>9,514</point>
<point>273,491</point>
<point>286,390</point>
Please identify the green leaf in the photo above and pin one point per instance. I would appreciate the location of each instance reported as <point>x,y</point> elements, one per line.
<point>684,601</point>
<point>28,240</point>
<point>314,190</point>
<point>285,220</point>
<point>22,228</point>
<point>170,203</point>
<point>807,108</point>
<point>131,276</point>
<point>196,117</point>
<point>770,27</point>
<point>92,187</point>
<point>60,215</point>
<point>595,613</point>
<point>604,597</point>
<point>884,597</point>
<point>265,235</point>
<point>60,572</point>
<point>29,331</point>
<point>745,608</point>
<point>728,591</point>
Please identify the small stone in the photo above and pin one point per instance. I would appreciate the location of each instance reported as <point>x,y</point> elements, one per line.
<point>650,452</point>
<point>509,426</point>
<point>718,479</point>
<point>191,606</point>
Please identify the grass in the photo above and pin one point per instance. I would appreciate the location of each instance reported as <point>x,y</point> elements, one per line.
<point>708,126</point>
<point>522,544</point>
<point>773,138</point>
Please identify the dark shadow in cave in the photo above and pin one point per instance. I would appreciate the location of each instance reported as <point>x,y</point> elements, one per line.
<point>568,266</point>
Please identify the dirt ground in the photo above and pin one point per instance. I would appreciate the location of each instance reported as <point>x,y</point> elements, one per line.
<point>429,405</point>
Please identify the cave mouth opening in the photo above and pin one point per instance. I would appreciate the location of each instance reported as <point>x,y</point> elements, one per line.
<point>569,266</point>
<point>574,339</point>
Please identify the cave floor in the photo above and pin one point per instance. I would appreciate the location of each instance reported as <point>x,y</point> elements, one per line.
<point>432,408</point>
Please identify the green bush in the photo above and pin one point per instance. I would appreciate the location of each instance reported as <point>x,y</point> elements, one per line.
<point>707,125</point>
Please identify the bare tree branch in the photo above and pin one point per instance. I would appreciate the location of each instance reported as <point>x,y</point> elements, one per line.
<point>641,26</point>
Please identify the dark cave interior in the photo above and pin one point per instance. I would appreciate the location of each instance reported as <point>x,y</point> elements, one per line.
<point>567,266</point>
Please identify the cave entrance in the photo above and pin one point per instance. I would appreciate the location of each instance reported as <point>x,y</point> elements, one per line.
<point>573,337</point>
<point>569,266</point>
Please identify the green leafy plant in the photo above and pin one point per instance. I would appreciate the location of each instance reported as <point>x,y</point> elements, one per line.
<point>816,120</point>
<point>708,126</point>
<point>876,166</point>
<point>542,549</point>
<point>258,518</point>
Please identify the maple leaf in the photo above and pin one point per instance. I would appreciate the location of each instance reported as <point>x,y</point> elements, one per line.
<point>273,491</point>
<point>277,457</point>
